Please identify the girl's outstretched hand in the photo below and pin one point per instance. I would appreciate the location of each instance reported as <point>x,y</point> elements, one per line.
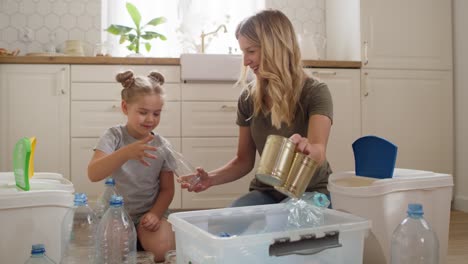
<point>139,150</point>
<point>196,182</point>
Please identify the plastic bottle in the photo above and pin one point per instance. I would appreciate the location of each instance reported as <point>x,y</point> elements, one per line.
<point>413,241</point>
<point>38,255</point>
<point>116,235</point>
<point>79,228</point>
<point>103,201</point>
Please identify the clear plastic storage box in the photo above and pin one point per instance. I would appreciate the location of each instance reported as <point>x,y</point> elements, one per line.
<point>385,201</point>
<point>260,234</point>
<point>32,217</point>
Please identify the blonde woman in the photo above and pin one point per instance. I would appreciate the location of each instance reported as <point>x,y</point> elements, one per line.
<point>282,100</point>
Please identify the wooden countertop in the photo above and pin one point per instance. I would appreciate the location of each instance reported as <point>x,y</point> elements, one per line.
<point>147,61</point>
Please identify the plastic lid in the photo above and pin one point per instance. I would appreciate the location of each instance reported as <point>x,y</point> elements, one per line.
<point>80,199</point>
<point>321,200</point>
<point>110,181</point>
<point>415,209</point>
<point>116,200</point>
<point>38,249</point>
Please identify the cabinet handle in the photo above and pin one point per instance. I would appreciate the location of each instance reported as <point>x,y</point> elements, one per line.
<point>365,92</point>
<point>324,72</point>
<point>115,107</point>
<point>227,108</point>
<point>61,82</point>
<point>366,58</point>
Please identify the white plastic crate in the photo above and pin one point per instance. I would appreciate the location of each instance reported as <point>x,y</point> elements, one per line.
<point>259,234</point>
<point>32,217</point>
<point>384,202</point>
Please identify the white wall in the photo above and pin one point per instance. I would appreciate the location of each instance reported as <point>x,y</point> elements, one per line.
<point>460,35</point>
<point>343,30</point>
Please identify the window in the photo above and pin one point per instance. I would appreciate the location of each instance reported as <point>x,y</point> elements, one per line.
<point>186,19</point>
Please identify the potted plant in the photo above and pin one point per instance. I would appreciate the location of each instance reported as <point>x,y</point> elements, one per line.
<point>138,35</point>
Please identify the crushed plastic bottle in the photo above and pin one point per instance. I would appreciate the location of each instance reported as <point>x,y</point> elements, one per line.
<point>307,211</point>
<point>413,241</point>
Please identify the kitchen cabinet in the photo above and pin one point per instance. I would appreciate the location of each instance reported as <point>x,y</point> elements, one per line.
<point>344,86</point>
<point>412,109</point>
<point>35,101</point>
<point>95,106</point>
<point>210,137</point>
<point>406,77</point>
<point>401,34</point>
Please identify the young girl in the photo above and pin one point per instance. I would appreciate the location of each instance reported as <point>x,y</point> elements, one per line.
<point>124,152</point>
<point>282,100</point>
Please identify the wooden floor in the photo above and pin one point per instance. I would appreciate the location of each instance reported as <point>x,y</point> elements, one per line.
<point>458,238</point>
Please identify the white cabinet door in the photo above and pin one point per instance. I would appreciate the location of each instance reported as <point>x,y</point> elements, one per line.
<point>344,85</point>
<point>412,109</point>
<point>401,34</point>
<point>209,119</point>
<point>212,153</point>
<point>82,149</point>
<point>35,101</point>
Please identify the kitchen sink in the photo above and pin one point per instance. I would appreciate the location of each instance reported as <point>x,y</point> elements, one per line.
<point>210,67</point>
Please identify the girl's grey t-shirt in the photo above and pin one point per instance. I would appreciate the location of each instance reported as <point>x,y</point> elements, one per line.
<point>138,184</point>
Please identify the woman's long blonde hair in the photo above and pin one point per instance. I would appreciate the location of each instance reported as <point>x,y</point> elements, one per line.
<point>280,77</point>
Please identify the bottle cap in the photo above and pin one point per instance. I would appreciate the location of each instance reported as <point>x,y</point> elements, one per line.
<point>116,200</point>
<point>415,208</point>
<point>37,249</point>
<point>80,199</point>
<point>110,181</point>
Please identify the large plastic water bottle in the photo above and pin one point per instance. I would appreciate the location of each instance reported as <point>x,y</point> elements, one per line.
<point>413,241</point>
<point>79,228</point>
<point>38,255</point>
<point>103,201</point>
<point>116,235</point>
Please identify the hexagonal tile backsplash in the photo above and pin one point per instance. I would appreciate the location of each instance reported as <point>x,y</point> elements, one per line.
<point>33,25</point>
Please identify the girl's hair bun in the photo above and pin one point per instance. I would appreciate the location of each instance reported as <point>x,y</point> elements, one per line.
<point>127,79</point>
<point>157,77</point>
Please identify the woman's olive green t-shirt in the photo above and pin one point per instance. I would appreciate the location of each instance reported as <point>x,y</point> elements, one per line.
<point>315,100</point>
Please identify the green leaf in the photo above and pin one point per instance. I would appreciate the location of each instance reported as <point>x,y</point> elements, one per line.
<point>123,38</point>
<point>151,35</point>
<point>134,13</point>
<point>118,29</point>
<point>131,37</point>
<point>148,47</point>
<point>157,21</point>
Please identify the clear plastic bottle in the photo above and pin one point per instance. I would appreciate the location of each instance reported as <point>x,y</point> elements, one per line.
<point>177,162</point>
<point>413,241</point>
<point>103,201</point>
<point>79,228</point>
<point>38,255</point>
<point>116,235</point>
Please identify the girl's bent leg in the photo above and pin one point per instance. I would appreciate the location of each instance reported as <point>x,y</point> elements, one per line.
<point>253,198</point>
<point>158,242</point>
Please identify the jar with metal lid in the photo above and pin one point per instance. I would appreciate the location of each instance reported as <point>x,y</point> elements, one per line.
<point>276,160</point>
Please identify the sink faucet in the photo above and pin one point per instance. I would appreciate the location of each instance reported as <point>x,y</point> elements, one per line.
<point>203,35</point>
